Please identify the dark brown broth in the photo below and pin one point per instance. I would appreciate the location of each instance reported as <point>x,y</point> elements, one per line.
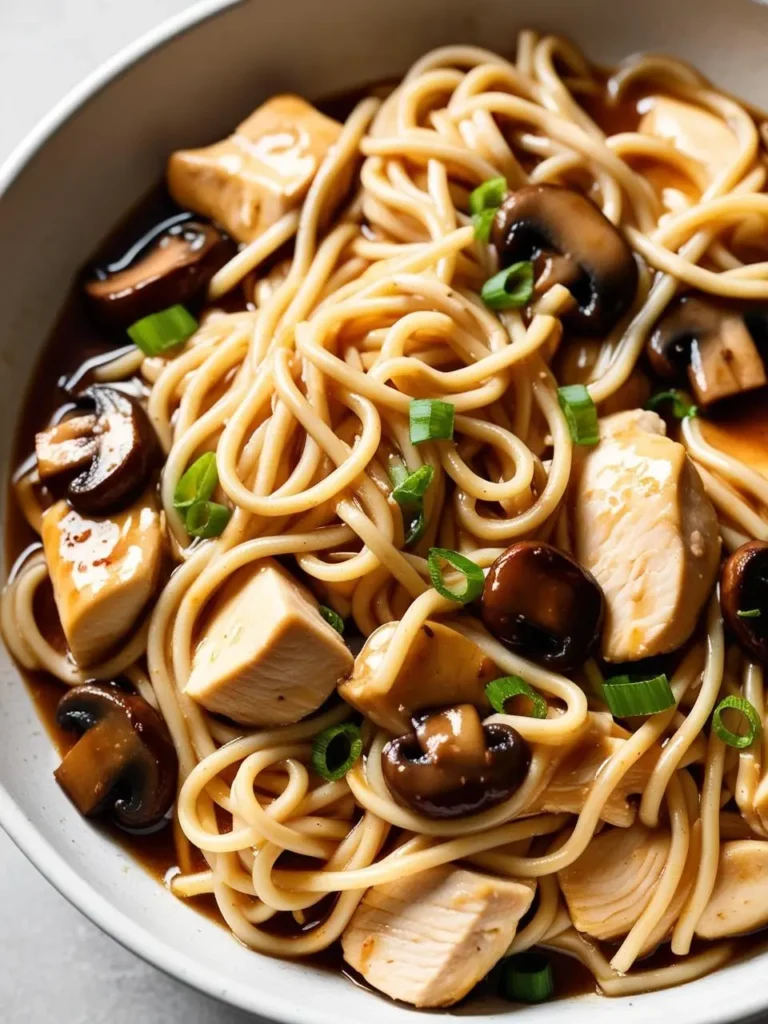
<point>77,339</point>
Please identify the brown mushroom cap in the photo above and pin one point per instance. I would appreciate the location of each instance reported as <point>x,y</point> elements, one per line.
<point>570,241</point>
<point>104,458</point>
<point>124,762</point>
<point>171,264</point>
<point>711,342</point>
<point>543,604</point>
<point>744,588</point>
<point>453,765</point>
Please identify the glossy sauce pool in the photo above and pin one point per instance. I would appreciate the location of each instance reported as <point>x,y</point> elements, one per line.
<point>76,341</point>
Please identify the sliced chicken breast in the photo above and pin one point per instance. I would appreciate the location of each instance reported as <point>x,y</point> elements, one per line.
<point>648,533</point>
<point>567,789</point>
<point>266,657</point>
<point>739,901</point>
<point>262,171</point>
<point>429,939</point>
<point>692,130</point>
<point>103,573</point>
<point>611,884</point>
<point>441,667</point>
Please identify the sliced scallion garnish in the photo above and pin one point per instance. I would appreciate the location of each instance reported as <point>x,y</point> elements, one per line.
<point>499,691</point>
<point>472,573</point>
<point>527,978</point>
<point>198,483</point>
<point>416,528</point>
<point>332,617</point>
<point>430,420</point>
<point>329,762</point>
<point>748,712</point>
<point>682,408</point>
<point>749,613</point>
<point>483,222</point>
<point>409,492</point>
<point>511,288</point>
<point>580,413</point>
<point>628,697</point>
<point>158,332</point>
<point>488,196</point>
<point>207,519</point>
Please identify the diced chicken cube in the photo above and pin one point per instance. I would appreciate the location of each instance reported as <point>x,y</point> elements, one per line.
<point>692,130</point>
<point>248,181</point>
<point>267,656</point>
<point>441,667</point>
<point>739,901</point>
<point>430,938</point>
<point>609,886</point>
<point>103,573</point>
<point>648,533</point>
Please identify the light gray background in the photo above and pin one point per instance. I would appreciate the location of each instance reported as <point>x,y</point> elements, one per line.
<point>55,966</point>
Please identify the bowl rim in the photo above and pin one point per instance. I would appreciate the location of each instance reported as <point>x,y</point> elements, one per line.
<point>137,938</point>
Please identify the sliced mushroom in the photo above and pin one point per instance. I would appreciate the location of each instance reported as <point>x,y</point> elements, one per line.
<point>571,242</point>
<point>169,265</point>
<point>744,597</point>
<point>453,765</point>
<point>105,458</point>
<point>543,604</point>
<point>711,342</point>
<point>124,763</point>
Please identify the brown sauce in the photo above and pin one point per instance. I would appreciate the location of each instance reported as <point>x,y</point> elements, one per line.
<point>77,340</point>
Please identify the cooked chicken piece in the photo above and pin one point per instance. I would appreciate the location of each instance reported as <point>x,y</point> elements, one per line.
<point>647,531</point>
<point>739,901</point>
<point>692,130</point>
<point>103,572</point>
<point>573,778</point>
<point>264,170</point>
<point>267,656</point>
<point>428,939</point>
<point>613,881</point>
<point>442,667</point>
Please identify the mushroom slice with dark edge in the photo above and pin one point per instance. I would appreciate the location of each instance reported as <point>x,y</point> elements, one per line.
<point>171,264</point>
<point>124,762</point>
<point>570,242</point>
<point>744,597</point>
<point>712,343</point>
<point>453,765</point>
<point>542,604</point>
<point>106,457</point>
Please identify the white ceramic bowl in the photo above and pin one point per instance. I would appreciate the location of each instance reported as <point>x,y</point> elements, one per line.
<point>186,84</point>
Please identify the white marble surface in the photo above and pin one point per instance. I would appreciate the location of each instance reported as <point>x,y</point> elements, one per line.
<point>55,966</point>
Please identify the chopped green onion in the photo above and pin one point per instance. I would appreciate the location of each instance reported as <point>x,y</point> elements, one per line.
<point>499,691</point>
<point>409,493</point>
<point>325,761</point>
<point>156,333</point>
<point>483,222</point>
<point>749,613</point>
<point>527,978</point>
<point>416,528</point>
<point>682,409</point>
<point>748,712</point>
<point>511,288</point>
<point>207,519</point>
<point>198,483</point>
<point>471,572</point>
<point>332,618</point>
<point>488,196</point>
<point>580,413</point>
<point>430,420</point>
<point>628,697</point>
